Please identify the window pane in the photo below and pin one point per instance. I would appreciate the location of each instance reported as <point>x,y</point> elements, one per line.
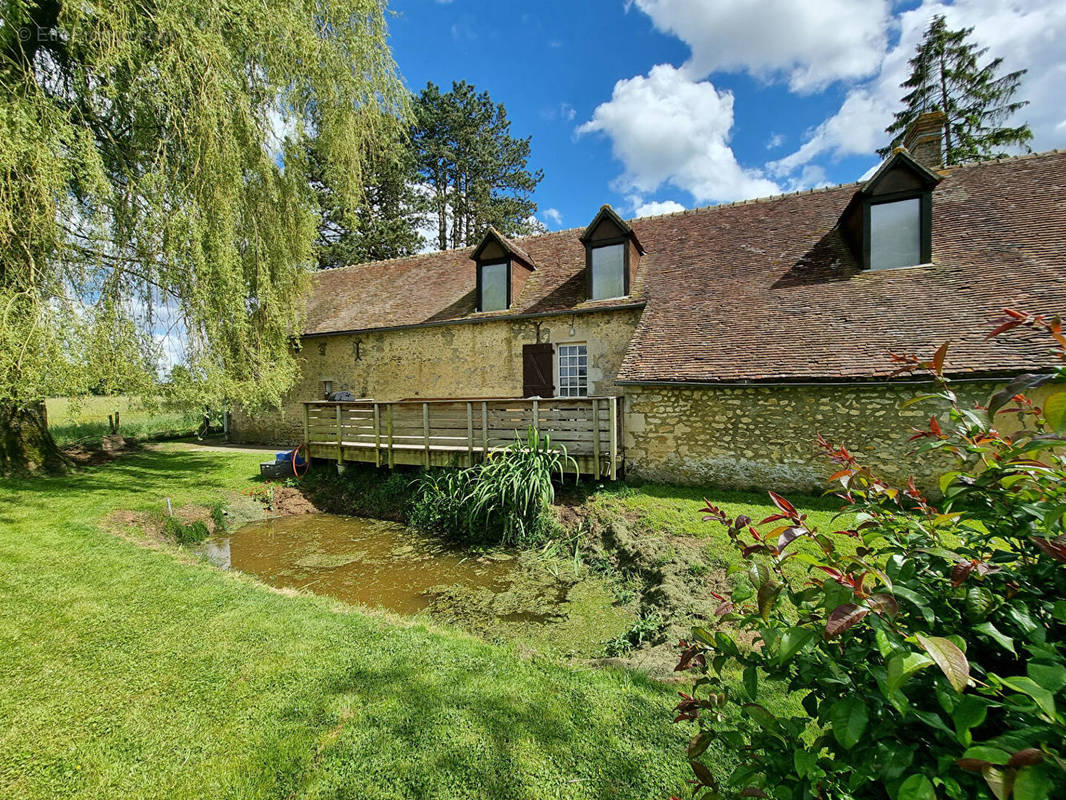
<point>493,287</point>
<point>573,379</point>
<point>608,264</point>
<point>896,234</point>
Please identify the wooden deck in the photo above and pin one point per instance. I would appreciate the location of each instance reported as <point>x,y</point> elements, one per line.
<point>460,432</point>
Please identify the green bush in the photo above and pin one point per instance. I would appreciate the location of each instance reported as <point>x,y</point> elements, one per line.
<point>925,644</point>
<point>182,533</point>
<point>506,499</point>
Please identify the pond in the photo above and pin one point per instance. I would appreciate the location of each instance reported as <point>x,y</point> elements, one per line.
<point>384,564</point>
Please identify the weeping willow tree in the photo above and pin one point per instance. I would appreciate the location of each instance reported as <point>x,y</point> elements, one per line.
<point>153,159</point>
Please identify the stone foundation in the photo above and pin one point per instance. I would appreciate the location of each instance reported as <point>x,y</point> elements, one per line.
<point>765,437</point>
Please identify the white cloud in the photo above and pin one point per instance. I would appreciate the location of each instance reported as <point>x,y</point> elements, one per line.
<point>809,43</point>
<point>1027,34</point>
<point>656,207</point>
<point>775,141</point>
<point>668,128</point>
<point>552,215</point>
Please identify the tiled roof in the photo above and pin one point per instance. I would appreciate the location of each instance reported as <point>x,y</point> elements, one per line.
<point>766,290</point>
<point>437,287</point>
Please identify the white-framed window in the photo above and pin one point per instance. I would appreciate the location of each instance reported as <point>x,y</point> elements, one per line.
<point>896,234</point>
<point>608,271</point>
<point>573,370</point>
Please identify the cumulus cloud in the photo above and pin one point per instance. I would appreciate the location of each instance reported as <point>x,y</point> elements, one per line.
<point>1026,33</point>
<point>666,127</point>
<point>810,44</point>
<point>552,216</point>
<point>656,207</point>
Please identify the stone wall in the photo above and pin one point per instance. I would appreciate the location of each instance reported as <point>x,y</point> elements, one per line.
<point>482,359</point>
<point>764,437</point>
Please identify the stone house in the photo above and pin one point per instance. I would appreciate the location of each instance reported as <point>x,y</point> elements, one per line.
<point>731,335</point>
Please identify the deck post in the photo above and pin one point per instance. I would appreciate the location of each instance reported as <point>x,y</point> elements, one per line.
<point>307,428</point>
<point>388,428</point>
<point>377,435</point>
<point>469,434</point>
<point>484,430</point>
<point>597,468</point>
<point>425,429</point>
<point>536,416</point>
<point>614,438</point>
<point>340,451</point>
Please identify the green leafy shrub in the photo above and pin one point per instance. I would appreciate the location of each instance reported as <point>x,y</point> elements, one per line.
<point>645,628</point>
<point>505,499</point>
<point>925,644</point>
<point>218,516</point>
<point>185,533</point>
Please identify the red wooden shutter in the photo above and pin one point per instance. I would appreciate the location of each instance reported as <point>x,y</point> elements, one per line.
<point>537,372</point>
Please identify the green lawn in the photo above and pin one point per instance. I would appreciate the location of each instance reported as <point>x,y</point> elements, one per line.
<point>85,418</point>
<point>676,510</point>
<point>125,673</point>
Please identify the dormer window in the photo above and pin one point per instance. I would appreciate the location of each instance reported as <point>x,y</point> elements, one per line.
<point>896,233</point>
<point>608,264</point>
<point>494,286</point>
<point>889,221</point>
<point>611,255</point>
<point>502,270</point>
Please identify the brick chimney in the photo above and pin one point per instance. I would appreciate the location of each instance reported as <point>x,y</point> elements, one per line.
<point>923,139</point>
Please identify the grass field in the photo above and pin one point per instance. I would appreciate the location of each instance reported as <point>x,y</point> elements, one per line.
<point>129,672</point>
<point>125,672</point>
<point>676,510</point>
<point>85,418</point>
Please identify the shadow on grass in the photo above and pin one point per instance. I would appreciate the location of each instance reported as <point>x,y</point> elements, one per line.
<point>456,726</point>
<point>138,473</point>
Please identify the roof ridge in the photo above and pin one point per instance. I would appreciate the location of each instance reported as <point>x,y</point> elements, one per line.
<point>1001,159</point>
<point>750,201</point>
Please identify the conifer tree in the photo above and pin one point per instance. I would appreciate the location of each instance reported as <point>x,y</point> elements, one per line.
<point>384,224</point>
<point>946,76</point>
<point>474,171</point>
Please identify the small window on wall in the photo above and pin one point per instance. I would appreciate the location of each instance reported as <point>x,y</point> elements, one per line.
<point>573,370</point>
<point>608,271</point>
<point>327,389</point>
<point>896,234</point>
<point>493,286</point>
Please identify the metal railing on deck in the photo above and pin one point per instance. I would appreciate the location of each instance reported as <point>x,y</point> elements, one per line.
<point>463,431</point>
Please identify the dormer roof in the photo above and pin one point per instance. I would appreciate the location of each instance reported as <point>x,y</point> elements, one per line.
<point>608,214</point>
<point>513,251</point>
<point>900,159</point>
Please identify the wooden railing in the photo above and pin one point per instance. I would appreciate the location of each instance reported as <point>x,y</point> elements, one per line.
<point>461,432</point>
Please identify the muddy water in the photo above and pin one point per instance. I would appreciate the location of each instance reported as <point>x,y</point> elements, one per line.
<point>545,605</point>
<point>358,560</point>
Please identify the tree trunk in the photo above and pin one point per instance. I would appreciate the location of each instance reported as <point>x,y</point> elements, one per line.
<point>26,444</point>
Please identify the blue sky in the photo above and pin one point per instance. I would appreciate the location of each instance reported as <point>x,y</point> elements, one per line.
<point>657,105</point>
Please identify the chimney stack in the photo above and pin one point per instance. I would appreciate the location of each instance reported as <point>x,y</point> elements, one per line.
<point>924,137</point>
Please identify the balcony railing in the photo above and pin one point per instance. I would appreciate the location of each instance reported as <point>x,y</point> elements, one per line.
<point>461,432</point>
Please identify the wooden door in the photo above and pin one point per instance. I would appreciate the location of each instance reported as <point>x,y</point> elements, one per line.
<point>537,370</point>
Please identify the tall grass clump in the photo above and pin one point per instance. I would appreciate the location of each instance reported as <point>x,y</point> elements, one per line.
<point>505,499</point>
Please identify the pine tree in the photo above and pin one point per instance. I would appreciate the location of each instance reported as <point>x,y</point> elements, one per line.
<point>975,100</point>
<point>384,224</point>
<point>474,171</point>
